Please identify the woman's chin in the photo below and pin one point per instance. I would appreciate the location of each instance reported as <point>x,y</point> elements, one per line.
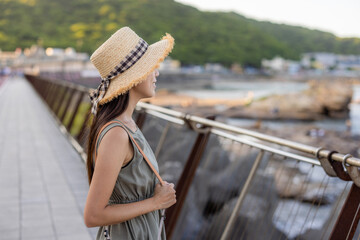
<point>153,93</point>
<point>149,96</point>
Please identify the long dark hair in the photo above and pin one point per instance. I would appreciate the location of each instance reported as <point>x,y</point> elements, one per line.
<point>105,113</point>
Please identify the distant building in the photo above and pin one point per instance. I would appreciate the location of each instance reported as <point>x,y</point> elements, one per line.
<point>276,64</point>
<point>315,63</point>
<point>36,60</point>
<point>330,61</point>
<point>66,54</point>
<point>170,65</point>
<point>237,68</point>
<point>293,67</point>
<point>318,60</point>
<point>215,68</point>
<point>281,65</point>
<point>192,69</point>
<point>348,62</point>
<point>8,58</point>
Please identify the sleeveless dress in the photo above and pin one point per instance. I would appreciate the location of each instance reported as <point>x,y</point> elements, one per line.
<point>135,182</point>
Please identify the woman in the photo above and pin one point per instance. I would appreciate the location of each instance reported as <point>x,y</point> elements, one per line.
<point>124,197</point>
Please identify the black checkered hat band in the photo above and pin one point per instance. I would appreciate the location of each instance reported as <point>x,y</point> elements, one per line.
<point>98,94</point>
<point>130,59</point>
<point>125,64</point>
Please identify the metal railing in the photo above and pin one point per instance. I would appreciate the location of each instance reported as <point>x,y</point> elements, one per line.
<point>232,183</point>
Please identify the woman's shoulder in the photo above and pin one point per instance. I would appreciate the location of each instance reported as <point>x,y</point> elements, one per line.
<point>115,134</point>
<point>114,145</point>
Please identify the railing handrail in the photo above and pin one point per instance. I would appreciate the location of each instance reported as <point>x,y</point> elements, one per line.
<point>181,116</point>
<point>71,85</point>
<point>222,126</point>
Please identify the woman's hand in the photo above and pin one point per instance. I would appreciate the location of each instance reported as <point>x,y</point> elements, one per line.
<point>164,196</point>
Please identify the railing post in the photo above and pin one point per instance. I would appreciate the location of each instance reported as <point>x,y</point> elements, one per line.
<point>71,94</point>
<point>39,85</point>
<point>44,89</point>
<point>348,219</point>
<point>47,91</point>
<point>242,196</point>
<point>83,127</point>
<point>57,109</point>
<point>162,140</point>
<point>75,110</point>
<point>35,84</point>
<point>183,185</point>
<point>51,93</point>
<point>57,91</point>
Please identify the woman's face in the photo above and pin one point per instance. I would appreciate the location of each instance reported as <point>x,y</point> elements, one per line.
<point>146,88</point>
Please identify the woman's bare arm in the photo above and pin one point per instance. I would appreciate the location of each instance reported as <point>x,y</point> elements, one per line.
<point>112,152</point>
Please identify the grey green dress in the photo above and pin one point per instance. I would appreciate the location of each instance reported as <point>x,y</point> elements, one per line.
<point>135,182</point>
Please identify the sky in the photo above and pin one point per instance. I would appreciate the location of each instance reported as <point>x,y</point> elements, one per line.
<point>340,17</point>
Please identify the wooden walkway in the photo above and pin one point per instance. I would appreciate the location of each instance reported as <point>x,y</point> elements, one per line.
<point>43,183</point>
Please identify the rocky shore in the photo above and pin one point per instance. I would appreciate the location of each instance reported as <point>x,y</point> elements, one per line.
<point>321,100</point>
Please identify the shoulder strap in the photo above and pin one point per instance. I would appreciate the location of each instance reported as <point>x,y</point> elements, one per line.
<point>137,145</point>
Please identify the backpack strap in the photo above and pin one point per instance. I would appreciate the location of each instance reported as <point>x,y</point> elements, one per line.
<point>137,145</point>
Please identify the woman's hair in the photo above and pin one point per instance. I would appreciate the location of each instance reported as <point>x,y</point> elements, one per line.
<point>105,113</point>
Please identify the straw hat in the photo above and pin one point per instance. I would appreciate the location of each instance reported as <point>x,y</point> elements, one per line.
<point>125,60</point>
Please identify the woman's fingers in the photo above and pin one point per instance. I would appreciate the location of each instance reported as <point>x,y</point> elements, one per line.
<point>171,184</point>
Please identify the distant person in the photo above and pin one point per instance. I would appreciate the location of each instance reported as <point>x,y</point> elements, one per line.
<point>125,197</point>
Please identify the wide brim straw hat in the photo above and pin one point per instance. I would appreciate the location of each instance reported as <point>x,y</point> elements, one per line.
<point>126,51</point>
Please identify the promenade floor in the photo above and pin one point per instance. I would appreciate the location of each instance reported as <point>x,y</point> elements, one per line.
<point>43,183</point>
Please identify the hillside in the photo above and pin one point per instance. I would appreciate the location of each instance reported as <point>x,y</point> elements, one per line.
<point>199,36</point>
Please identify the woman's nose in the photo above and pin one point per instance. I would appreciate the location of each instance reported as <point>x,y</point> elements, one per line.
<point>157,73</point>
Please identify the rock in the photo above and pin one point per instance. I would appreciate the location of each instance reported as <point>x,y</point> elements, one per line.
<point>191,220</point>
<point>295,218</point>
<point>290,182</point>
<point>252,222</point>
<point>310,234</point>
<point>227,183</point>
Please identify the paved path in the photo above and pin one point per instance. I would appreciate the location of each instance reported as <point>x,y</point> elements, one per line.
<point>43,183</point>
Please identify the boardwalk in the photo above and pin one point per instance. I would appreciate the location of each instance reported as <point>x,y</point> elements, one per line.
<point>43,182</point>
